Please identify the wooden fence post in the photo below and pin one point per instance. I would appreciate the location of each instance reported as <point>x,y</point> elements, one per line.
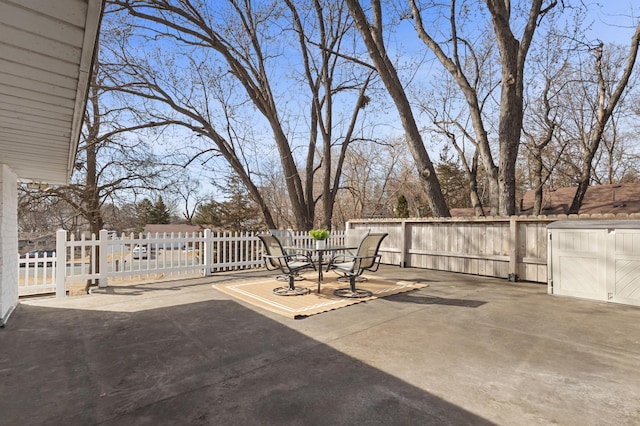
<point>103,268</point>
<point>403,244</point>
<point>208,252</point>
<point>61,263</point>
<point>513,248</point>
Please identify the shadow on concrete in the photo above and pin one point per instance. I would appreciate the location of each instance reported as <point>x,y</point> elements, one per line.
<point>177,283</point>
<point>212,362</point>
<point>414,297</point>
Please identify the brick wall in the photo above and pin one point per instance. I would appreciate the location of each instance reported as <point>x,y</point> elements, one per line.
<point>8,242</point>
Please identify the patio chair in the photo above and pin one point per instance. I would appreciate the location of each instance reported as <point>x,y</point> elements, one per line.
<point>352,238</point>
<point>277,259</point>
<point>352,267</point>
<point>285,236</point>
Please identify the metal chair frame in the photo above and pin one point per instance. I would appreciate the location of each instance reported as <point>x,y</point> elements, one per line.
<point>277,259</point>
<point>352,238</point>
<point>352,267</point>
<point>286,238</point>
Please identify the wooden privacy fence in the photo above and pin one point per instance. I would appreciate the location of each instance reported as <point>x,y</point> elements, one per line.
<point>514,248</point>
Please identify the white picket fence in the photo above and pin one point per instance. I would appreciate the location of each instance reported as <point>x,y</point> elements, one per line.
<point>37,274</point>
<point>102,260</point>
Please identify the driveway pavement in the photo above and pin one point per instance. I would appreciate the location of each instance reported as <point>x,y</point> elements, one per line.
<point>464,350</point>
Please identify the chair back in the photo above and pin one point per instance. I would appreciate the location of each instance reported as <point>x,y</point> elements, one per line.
<point>285,236</point>
<point>353,237</point>
<point>273,248</point>
<point>368,249</point>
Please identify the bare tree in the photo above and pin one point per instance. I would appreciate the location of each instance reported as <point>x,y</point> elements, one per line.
<point>186,192</point>
<point>240,44</point>
<point>447,122</point>
<point>609,91</point>
<point>112,160</point>
<point>513,55</point>
<point>373,37</point>
<point>543,118</point>
<point>375,174</point>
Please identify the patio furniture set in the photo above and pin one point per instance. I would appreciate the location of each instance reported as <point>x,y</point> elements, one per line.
<point>358,254</point>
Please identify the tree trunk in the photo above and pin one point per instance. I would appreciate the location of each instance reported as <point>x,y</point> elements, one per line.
<point>583,185</point>
<point>373,39</point>
<point>476,202</point>
<point>92,194</point>
<point>538,191</point>
<point>512,55</point>
<point>512,58</point>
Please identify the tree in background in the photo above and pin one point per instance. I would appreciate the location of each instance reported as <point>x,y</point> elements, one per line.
<point>453,181</point>
<point>373,178</point>
<point>208,214</point>
<point>39,215</point>
<point>237,213</point>
<point>542,149</point>
<point>468,70</point>
<point>609,86</point>
<point>402,207</point>
<point>220,69</point>
<point>372,33</point>
<point>160,213</point>
<point>114,159</point>
<point>144,214</point>
<point>187,192</point>
<point>151,213</point>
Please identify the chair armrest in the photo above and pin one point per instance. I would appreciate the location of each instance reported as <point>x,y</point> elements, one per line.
<point>374,266</point>
<point>269,256</point>
<point>338,258</point>
<point>357,261</point>
<point>269,266</point>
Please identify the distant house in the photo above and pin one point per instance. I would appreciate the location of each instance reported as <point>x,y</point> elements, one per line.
<point>31,241</point>
<point>599,199</point>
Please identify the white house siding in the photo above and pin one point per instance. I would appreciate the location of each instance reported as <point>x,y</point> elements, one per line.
<point>8,242</point>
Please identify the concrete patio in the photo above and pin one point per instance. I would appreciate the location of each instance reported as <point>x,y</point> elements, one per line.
<point>465,350</point>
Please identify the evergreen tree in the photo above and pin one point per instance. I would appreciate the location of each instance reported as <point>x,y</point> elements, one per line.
<point>208,214</point>
<point>237,213</point>
<point>402,207</point>
<point>453,181</point>
<point>144,214</point>
<point>240,212</point>
<point>160,212</point>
